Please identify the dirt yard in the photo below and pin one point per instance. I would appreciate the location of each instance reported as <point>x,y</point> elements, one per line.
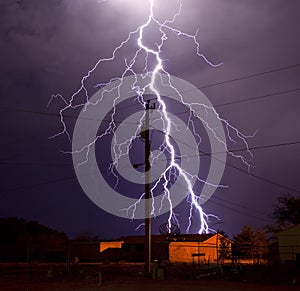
<point>145,285</point>
<point>113,277</point>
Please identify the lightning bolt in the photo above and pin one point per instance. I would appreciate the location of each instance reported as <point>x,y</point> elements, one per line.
<point>152,55</point>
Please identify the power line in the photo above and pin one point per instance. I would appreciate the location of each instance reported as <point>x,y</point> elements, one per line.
<point>49,182</point>
<point>207,86</point>
<point>255,148</point>
<point>214,202</point>
<point>239,211</point>
<point>218,105</point>
<point>201,87</point>
<point>206,154</point>
<point>233,102</point>
<point>58,115</point>
<point>202,153</point>
<point>239,205</point>
<point>30,151</point>
<point>249,76</point>
<point>248,99</point>
<point>182,112</point>
<point>264,179</point>
<point>234,209</point>
<point>244,171</point>
<point>243,78</point>
<point>135,123</point>
<point>184,157</point>
<point>257,97</point>
<point>29,164</point>
<point>74,176</point>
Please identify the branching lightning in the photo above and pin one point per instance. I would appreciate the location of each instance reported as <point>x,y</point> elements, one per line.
<point>154,75</point>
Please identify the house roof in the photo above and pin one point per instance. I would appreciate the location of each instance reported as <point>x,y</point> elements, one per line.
<point>162,238</point>
<point>290,231</point>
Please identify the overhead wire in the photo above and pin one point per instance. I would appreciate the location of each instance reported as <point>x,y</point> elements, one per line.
<point>247,172</point>
<point>206,154</point>
<point>202,87</point>
<point>2,162</point>
<point>263,216</point>
<point>249,76</point>
<point>177,113</point>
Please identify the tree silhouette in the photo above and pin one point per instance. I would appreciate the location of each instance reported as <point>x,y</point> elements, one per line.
<point>86,236</point>
<point>22,240</point>
<point>287,211</point>
<point>250,243</point>
<point>224,248</point>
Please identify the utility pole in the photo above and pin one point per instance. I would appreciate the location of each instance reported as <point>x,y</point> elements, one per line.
<point>147,194</point>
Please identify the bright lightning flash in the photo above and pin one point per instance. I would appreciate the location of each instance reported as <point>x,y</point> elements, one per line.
<point>154,75</point>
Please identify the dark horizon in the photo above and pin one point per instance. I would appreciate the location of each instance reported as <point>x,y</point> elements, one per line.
<point>48,46</point>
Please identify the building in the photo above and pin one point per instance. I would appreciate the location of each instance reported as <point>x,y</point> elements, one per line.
<point>131,249</point>
<point>289,244</point>
<point>83,251</point>
<point>204,248</point>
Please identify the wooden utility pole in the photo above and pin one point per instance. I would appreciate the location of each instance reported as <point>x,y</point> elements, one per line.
<point>147,194</point>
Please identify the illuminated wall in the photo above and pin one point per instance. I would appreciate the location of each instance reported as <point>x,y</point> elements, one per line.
<point>206,251</point>
<point>289,244</point>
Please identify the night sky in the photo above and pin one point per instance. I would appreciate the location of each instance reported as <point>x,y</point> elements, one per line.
<point>48,46</point>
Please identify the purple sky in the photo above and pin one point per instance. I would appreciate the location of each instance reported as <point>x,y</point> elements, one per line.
<point>47,46</point>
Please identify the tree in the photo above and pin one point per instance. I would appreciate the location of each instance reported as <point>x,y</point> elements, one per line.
<point>286,211</point>
<point>224,248</point>
<point>87,236</point>
<point>22,240</point>
<point>244,241</point>
<point>261,245</point>
<point>250,243</point>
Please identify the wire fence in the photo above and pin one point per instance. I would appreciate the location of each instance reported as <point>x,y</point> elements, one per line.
<point>253,263</point>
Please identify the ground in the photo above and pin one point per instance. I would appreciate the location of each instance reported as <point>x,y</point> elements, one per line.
<point>145,285</point>
<point>113,277</point>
